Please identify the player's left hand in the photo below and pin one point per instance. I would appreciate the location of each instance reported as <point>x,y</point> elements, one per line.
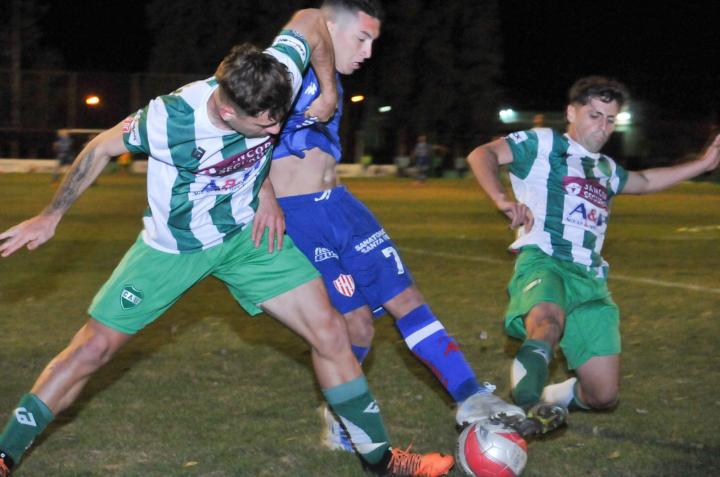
<point>31,233</point>
<point>323,107</point>
<point>712,154</point>
<point>269,215</point>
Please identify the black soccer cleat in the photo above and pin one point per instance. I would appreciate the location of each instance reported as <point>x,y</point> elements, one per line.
<point>541,419</point>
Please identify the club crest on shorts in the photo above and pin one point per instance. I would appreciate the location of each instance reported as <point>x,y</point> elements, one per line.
<point>130,297</point>
<point>345,285</point>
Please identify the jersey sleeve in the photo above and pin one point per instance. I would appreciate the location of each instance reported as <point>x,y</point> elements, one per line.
<point>291,49</point>
<point>134,131</point>
<point>524,148</point>
<point>619,178</point>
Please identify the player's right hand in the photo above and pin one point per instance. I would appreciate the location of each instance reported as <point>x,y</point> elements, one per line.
<point>323,107</point>
<point>32,233</point>
<point>518,213</point>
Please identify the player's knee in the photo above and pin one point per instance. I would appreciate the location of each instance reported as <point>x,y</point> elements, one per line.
<point>94,352</point>
<point>361,326</point>
<point>545,321</point>
<point>405,302</point>
<point>330,333</point>
<point>602,397</point>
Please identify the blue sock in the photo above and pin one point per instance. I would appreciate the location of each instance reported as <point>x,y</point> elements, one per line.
<point>360,353</point>
<point>429,342</point>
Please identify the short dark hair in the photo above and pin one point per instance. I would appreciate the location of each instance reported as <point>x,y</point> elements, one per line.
<point>599,87</point>
<point>255,81</point>
<point>372,8</point>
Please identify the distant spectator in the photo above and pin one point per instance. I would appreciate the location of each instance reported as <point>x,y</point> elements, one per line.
<point>422,157</point>
<point>402,161</point>
<point>63,148</point>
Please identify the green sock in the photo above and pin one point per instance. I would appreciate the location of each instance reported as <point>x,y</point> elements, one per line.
<point>360,414</point>
<point>530,372</point>
<point>28,420</point>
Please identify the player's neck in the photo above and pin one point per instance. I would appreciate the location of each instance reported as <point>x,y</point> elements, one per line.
<point>214,113</point>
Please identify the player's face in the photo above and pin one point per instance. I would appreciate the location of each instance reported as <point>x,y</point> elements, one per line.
<point>255,126</point>
<point>352,37</point>
<point>591,124</point>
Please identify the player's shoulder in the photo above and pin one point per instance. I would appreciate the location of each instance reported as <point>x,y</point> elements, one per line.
<point>534,137</point>
<point>187,98</point>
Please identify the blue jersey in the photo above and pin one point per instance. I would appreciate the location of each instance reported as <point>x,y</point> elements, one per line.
<point>300,133</point>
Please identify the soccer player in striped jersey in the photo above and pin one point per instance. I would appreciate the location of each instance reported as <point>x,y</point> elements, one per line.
<point>209,147</point>
<point>563,187</point>
<point>360,264</point>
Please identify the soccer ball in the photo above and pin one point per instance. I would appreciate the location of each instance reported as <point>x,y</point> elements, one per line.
<point>490,449</point>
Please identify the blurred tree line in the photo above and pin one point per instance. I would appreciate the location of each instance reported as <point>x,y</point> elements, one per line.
<point>438,64</point>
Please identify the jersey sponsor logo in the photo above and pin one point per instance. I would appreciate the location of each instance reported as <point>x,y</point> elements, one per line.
<point>589,189</point>
<point>130,297</point>
<point>588,217</point>
<point>322,254</point>
<point>204,186</point>
<point>311,89</point>
<point>25,417</point>
<point>372,242</point>
<point>242,160</point>
<point>345,285</point>
<point>518,137</point>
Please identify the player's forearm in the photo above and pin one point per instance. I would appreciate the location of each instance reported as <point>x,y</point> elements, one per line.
<point>311,24</point>
<point>87,167</point>
<point>266,189</point>
<point>653,180</point>
<point>657,179</point>
<point>484,165</point>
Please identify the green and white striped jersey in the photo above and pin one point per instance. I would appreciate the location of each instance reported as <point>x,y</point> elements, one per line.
<point>202,181</point>
<point>568,189</point>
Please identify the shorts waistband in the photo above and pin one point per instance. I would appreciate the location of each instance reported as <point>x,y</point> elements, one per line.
<point>316,198</point>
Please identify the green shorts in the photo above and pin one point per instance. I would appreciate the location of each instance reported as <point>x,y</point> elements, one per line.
<point>592,319</point>
<point>147,281</point>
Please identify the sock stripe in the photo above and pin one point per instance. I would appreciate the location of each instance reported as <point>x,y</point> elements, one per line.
<point>423,333</point>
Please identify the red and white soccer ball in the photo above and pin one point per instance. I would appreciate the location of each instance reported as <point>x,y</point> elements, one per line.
<point>487,449</point>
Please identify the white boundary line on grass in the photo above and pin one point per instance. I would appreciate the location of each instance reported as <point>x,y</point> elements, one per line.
<point>613,276</point>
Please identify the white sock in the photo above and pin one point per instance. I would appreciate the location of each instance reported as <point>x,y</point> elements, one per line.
<point>560,393</point>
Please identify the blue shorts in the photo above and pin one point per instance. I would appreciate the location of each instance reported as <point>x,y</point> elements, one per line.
<point>358,261</point>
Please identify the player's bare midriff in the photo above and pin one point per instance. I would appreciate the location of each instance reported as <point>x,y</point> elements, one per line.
<point>292,175</point>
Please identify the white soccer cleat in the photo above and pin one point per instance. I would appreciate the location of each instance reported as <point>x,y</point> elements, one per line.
<point>484,405</point>
<point>334,437</point>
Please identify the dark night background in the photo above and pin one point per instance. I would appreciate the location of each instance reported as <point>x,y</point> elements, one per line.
<point>668,51</point>
<point>444,66</point>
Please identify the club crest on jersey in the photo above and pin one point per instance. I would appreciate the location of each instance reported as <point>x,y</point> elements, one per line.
<point>345,285</point>
<point>130,297</point>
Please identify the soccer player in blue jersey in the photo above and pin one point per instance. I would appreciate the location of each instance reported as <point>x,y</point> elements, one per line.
<point>360,265</point>
<point>209,148</point>
<point>563,187</point>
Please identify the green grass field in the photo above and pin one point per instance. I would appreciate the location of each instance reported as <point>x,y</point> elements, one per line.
<point>208,391</point>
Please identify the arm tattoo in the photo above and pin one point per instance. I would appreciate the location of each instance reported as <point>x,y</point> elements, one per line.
<point>72,185</point>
